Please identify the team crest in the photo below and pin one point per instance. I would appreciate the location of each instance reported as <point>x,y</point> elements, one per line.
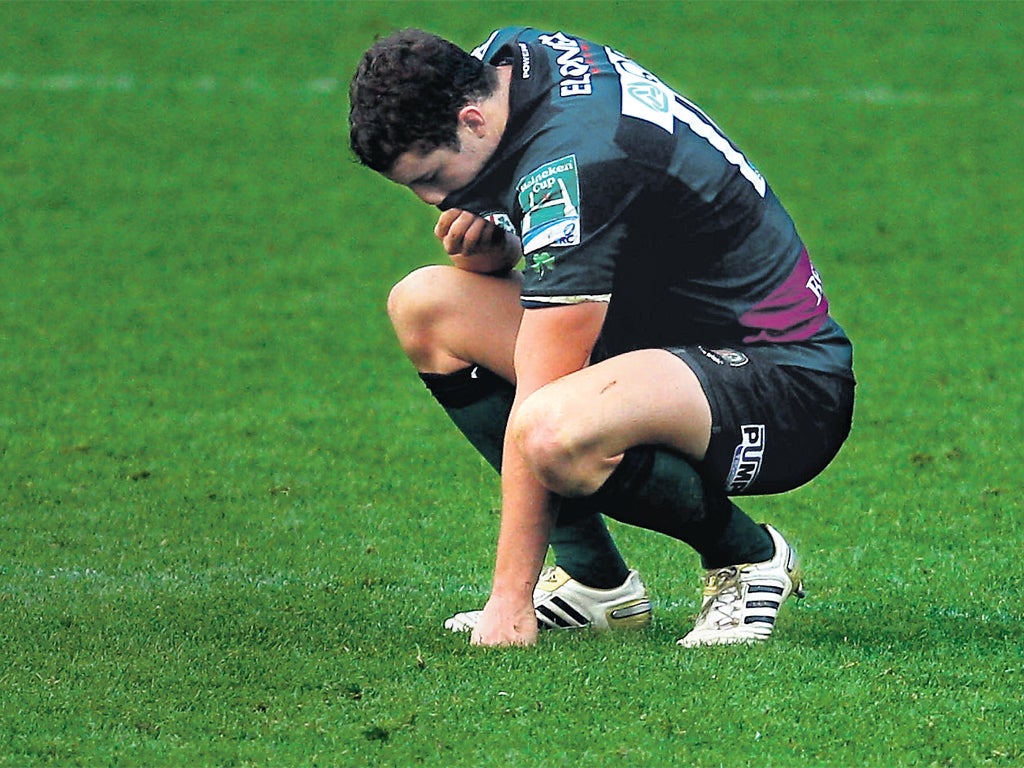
<point>730,357</point>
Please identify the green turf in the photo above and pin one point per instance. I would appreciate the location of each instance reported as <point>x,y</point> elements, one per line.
<point>232,520</point>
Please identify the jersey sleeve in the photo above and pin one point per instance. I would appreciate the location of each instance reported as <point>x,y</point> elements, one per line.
<point>570,220</point>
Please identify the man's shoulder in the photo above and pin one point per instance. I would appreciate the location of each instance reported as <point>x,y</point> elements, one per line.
<point>497,41</point>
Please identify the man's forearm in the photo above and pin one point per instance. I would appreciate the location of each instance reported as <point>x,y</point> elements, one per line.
<point>526,522</point>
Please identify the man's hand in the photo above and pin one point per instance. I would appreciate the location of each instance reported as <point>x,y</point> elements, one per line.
<point>506,622</point>
<point>475,244</point>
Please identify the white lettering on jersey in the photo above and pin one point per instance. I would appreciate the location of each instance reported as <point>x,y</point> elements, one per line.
<point>572,65</point>
<point>524,51</point>
<point>647,98</point>
<point>815,286</point>
<point>480,50</point>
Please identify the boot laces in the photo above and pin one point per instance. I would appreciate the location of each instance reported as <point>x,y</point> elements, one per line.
<point>723,597</point>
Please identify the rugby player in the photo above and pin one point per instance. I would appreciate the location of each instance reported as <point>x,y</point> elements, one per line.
<point>630,325</point>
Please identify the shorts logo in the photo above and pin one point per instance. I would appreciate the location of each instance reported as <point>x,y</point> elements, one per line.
<point>728,357</point>
<point>746,459</point>
<point>549,198</point>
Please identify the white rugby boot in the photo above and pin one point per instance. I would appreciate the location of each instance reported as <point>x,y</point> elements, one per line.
<point>741,602</point>
<point>561,602</point>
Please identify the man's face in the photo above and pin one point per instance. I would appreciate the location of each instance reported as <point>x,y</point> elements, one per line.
<point>435,175</point>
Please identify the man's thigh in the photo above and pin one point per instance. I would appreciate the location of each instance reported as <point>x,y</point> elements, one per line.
<point>645,397</point>
<point>750,425</point>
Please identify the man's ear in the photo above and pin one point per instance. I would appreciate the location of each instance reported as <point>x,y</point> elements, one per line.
<point>472,118</point>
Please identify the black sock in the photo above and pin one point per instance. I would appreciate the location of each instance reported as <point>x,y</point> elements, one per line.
<point>660,490</point>
<point>478,402</point>
<point>585,550</point>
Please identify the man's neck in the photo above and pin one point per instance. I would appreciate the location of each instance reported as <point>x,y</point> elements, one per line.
<point>497,104</point>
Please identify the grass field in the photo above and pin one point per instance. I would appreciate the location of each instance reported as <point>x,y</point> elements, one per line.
<point>232,521</point>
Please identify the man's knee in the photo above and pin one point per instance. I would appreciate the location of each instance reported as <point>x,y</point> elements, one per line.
<point>543,431</point>
<point>415,306</point>
<point>415,298</point>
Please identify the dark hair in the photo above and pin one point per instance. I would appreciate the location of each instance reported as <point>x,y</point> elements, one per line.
<point>406,94</point>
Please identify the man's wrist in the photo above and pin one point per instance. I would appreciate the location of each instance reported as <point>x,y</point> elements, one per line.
<point>513,591</point>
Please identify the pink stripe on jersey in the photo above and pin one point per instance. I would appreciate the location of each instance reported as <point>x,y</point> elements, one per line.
<point>792,312</point>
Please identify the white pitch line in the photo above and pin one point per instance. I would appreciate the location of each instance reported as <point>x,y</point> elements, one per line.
<point>71,82</point>
<point>76,81</point>
<point>881,95</point>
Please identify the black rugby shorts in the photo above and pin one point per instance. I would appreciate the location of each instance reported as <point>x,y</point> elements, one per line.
<point>773,427</point>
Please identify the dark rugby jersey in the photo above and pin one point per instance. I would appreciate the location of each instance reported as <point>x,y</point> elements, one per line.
<point>623,191</point>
